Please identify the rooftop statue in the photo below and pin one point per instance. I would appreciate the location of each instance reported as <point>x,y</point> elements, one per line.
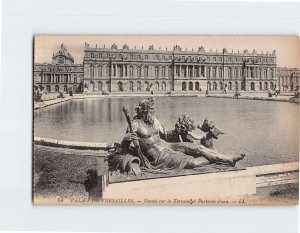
<point>145,147</point>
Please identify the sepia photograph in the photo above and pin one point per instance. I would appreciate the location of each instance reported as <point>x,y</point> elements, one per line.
<point>165,120</point>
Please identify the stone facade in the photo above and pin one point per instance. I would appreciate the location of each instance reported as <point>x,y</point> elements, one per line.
<point>62,75</point>
<point>124,69</point>
<point>288,79</point>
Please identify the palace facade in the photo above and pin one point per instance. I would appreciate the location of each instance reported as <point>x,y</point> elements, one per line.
<point>62,75</point>
<point>125,69</point>
<point>288,79</point>
<point>136,70</point>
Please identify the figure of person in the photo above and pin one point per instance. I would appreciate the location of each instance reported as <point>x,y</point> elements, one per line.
<point>163,155</point>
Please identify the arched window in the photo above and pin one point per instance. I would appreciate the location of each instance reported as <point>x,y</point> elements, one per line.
<point>214,86</point>
<point>146,74</point>
<point>184,86</point>
<point>191,86</point>
<point>220,72</point>
<point>99,86</point>
<point>75,78</point>
<point>251,72</point>
<point>266,86</point>
<point>131,72</point>
<point>108,84</point>
<point>229,73</point>
<point>157,86</point>
<point>147,86</point>
<point>221,85</point>
<point>169,72</point>
<point>56,88</point>
<point>131,86</point>
<point>236,86</point>
<point>236,73</point>
<point>48,88</point>
<point>260,86</point>
<point>164,86</point>
<point>163,71</point>
<point>252,86</point>
<point>139,72</point>
<point>214,72</point>
<point>271,85</point>
<point>208,72</point>
<point>156,71</point>
<point>92,71</point>
<point>197,87</point>
<point>139,86</point>
<point>209,86</point>
<point>271,73</point>
<point>120,86</point>
<point>190,71</point>
<point>99,71</point>
<point>65,88</point>
<point>230,86</point>
<point>177,71</point>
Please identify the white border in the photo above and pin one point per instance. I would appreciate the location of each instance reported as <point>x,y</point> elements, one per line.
<point>22,19</point>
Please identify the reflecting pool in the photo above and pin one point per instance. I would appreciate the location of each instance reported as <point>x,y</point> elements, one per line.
<point>268,132</point>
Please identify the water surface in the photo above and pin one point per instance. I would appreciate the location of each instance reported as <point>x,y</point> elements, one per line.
<point>266,131</point>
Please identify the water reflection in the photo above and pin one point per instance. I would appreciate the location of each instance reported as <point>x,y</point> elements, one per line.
<point>266,131</point>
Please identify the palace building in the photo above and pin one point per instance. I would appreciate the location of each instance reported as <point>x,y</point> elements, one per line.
<point>136,70</point>
<point>62,75</point>
<point>288,79</point>
<point>125,69</point>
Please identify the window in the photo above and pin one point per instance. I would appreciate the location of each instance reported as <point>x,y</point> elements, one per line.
<point>214,72</point>
<point>92,55</point>
<point>220,73</point>
<point>138,72</point>
<point>229,72</point>
<point>251,72</point>
<point>146,71</point>
<point>163,71</point>
<point>146,57</point>
<point>156,72</point>
<point>131,72</point>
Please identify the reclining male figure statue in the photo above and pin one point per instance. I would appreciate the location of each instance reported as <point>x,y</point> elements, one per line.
<point>167,156</point>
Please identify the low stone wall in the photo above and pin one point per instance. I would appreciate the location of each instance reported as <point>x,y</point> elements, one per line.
<point>65,176</point>
<point>277,99</point>
<point>72,144</point>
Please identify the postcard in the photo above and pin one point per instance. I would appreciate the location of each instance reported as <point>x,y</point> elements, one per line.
<point>165,120</point>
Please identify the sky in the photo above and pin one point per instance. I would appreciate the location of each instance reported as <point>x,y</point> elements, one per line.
<point>287,47</point>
